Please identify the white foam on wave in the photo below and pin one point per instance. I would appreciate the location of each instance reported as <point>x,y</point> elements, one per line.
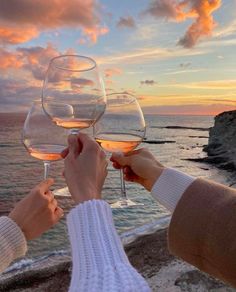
<point>25,264</point>
<point>61,255</point>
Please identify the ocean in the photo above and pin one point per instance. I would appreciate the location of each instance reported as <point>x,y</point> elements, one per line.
<point>185,137</point>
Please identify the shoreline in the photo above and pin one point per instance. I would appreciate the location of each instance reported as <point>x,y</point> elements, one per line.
<point>147,253</point>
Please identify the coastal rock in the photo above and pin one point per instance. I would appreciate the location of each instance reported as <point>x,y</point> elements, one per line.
<point>148,254</point>
<point>221,148</point>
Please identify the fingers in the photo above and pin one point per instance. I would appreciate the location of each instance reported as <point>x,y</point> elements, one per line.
<point>65,152</point>
<point>45,185</point>
<point>116,165</point>
<point>120,159</point>
<point>73,145</point>
<point>87,142</point>
<point>129,175</point>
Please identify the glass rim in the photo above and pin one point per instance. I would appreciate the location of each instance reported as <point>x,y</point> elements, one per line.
<point>93,63</point>
<point>132,97</point>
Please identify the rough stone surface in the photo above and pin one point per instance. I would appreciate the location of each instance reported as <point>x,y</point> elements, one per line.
<point>221,148</point>
<point>148,254</point>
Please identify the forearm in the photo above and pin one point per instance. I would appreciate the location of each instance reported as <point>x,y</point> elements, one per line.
<point>12,242</point>
<point>202,230</point>
<point>170,186</point>
<point>99,260</point>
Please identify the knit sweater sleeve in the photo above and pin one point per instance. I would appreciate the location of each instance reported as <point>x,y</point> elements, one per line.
<point>12,242</point>
<point>170,186</point>
<point>99,260</point>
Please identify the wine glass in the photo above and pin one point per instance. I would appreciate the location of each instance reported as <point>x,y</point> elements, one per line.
<point>42,138</point>
<point>121,129</point>
<point>75,81</point>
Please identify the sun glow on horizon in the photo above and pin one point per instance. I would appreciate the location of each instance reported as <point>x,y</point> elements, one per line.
<point>177,59</point>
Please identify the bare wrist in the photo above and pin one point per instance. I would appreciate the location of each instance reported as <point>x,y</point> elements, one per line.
<point>156,173</point>
<point>81,197</point>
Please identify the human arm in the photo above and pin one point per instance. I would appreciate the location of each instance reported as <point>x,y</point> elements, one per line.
<point>99,260</point>
<point>165,184</point>
<point>33,215</point>
<point>202,230</point>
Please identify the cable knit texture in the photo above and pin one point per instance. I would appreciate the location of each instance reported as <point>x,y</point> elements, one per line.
<point>99,261</point>
<point>170,186</point>
<point>12,242</point>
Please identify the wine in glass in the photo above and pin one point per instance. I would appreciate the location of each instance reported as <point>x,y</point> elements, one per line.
<point>73,80</point>
<point>121,129</point>
<point>42,138</point>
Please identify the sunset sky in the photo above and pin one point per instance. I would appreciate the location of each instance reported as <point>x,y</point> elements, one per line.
<point>178,57</point>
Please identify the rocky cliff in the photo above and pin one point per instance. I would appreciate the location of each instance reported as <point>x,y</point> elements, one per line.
<point>221,148</point>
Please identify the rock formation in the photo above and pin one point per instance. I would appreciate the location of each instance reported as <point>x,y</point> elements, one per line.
<point>221,148</point>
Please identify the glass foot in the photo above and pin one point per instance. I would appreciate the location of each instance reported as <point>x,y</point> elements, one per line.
<point>125,204</point>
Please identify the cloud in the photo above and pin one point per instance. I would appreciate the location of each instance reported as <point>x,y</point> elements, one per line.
<point>185,65</point>
<point>148,82</point>
<point>145,55</point>
<point>91,34</point>
<point>11,35</point>
<point>169,9</point>
<point>9,60</point>
<point>215,85</point>
<point>81,82</point>
<point>188,109</point>
<point>200,10</point>
<point>15,94</point>
<point>21,20</point>
<point>36,59</point>
<point>126,22</point>
<point>110,72</point>
<point>32,59</point>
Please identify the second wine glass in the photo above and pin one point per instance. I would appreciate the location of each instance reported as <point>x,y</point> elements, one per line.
<point>121,129</point>
<point>73,93</point>
<point>42,138</point>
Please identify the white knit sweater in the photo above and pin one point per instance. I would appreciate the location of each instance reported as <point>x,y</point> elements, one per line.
<point>12,242</point>
<point>99,260</point>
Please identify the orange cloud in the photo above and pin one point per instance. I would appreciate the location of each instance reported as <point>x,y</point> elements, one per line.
<point>204,24</point>
<point>9,60</point>
<point>32,17</point>
<point>109,72</point>
<point>91,34</point>
<point>15,35</point>
<point>174,10</point>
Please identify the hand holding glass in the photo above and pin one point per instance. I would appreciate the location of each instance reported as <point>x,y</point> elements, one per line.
<point>121,129</point>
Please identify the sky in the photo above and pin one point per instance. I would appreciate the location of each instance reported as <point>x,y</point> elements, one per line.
<point>176,56</point>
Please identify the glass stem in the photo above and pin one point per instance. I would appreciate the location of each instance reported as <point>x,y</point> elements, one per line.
<point>46,169</point>
<point>74,131</point>
<point>122,185</point>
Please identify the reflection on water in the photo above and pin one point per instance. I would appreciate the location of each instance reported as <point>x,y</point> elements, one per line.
<point>19,173</point>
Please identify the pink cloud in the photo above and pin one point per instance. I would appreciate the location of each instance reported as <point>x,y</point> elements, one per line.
<point>110,72</point>
<point>200,10</point>
<point>21,20</point>
<point>9,60</point>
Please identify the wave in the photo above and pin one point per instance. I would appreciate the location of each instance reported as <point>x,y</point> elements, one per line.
<point>59,256</point>
<point>26,263</point>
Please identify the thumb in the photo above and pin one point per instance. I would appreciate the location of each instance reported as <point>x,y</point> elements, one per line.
<point>121,159</point>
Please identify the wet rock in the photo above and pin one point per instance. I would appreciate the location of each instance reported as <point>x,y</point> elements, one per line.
<point>221,148</point>
<point>148,254</point>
